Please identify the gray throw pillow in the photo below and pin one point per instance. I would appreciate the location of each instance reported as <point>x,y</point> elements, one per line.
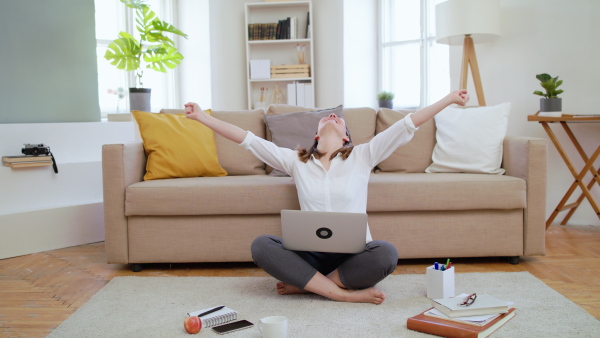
<point>293,130</point>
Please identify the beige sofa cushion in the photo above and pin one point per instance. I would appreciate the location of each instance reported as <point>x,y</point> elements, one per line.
<point>447,191</point>
<point>230,195</point>
<point>235,159</point>
<point>261,194</point>
<point>413,157</point>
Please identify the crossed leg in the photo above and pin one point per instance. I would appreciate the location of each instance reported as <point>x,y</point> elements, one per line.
<point>293,268</point>
<point>327,286</point>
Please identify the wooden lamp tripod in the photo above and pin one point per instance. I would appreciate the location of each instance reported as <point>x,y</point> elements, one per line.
<point>469,58</point>
<point>464,22</point>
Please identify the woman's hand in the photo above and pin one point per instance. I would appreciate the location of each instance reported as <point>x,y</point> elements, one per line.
<point>460,97</point>
<point>194,112</point>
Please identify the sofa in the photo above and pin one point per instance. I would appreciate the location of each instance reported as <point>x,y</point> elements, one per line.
<point>425,215</point>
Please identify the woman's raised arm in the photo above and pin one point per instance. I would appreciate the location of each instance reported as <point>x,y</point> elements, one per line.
<point>227,130</point>
<point>460,97</point>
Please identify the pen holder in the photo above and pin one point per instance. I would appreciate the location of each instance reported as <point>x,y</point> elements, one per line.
<point>440,284</point>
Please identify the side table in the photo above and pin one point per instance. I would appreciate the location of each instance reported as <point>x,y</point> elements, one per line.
<point>579,176</point>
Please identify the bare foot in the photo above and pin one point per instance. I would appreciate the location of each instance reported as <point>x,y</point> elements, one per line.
<point>287,289</point>
<point>370,295</point>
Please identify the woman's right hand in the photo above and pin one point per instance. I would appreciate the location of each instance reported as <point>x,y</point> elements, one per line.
<point>193,111</point>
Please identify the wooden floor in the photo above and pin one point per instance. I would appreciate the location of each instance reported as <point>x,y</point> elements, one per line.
<point>40,291</point>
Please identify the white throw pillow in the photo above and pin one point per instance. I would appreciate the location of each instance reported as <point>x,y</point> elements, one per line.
<point>470,140</point>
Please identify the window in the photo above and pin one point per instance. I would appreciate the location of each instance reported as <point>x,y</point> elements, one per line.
<point>412,65</point>
<point>112,16</point>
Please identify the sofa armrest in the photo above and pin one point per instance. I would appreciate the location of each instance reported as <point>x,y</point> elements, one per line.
<point>526,158</point>
<point>122,165</point>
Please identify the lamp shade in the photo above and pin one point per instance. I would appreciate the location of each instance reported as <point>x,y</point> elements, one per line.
<point>457,18</point>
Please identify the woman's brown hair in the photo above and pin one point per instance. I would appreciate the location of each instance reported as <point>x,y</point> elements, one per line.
<point>345,150</point>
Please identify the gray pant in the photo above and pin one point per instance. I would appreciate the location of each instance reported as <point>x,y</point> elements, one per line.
<point>357,271</point>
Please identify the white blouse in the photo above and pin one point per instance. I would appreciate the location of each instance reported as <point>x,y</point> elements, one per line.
<point>342,188</point>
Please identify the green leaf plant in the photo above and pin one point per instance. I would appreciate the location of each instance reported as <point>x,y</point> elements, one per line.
<point>384,96</point>
<point>550,84</point>
<point>157,50</point>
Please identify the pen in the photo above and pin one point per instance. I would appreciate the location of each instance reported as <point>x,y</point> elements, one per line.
<point>448,267</point>
<point>436,265</point>
<point>448,262</point>
<point>211,311</point>
<point>443,268</point>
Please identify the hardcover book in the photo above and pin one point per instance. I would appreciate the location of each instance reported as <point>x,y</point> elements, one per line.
<point>449,328</point>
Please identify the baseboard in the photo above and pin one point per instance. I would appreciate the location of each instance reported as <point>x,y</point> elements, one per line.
<point>49,229</point>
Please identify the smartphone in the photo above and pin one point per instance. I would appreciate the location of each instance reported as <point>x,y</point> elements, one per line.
<point>230,327</point>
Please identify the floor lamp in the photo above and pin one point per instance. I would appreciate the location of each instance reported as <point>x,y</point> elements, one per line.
<point>466,22</point>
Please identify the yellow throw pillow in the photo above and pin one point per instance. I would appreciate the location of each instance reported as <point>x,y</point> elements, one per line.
<point>177,146</point>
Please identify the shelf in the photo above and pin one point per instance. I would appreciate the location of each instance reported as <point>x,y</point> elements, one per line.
<point>282,51</point>
<point>27,164</point>
<point>277,4</point>
<point>281,41</point>
<point>283,79</point>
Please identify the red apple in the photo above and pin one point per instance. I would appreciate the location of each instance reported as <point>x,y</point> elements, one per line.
<point>192,324</point>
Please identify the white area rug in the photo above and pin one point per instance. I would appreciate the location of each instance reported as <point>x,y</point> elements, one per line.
<point>157,306</point>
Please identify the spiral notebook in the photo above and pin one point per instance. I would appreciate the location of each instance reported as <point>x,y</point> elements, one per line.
<point>216,318</point>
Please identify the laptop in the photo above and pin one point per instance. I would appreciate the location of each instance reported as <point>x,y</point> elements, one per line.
<point>340,232</point>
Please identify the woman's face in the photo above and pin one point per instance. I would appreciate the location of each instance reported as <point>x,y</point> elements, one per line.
<point>333,123</point>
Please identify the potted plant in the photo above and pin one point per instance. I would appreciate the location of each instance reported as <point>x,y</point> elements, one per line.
<point>386,99</point>
<point>550,103</point>
<point>153,48</point>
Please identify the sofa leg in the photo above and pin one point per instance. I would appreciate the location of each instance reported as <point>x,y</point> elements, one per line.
<point>136,267</point>
<point>513,260</point>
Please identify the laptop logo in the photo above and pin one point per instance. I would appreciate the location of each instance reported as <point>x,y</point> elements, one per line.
<point>324,233</point>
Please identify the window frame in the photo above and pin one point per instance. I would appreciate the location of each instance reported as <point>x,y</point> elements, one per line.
<point>426,40</point>
<point>170,87</point>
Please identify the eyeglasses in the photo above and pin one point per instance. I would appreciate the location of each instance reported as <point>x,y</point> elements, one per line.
<point>469,300</point>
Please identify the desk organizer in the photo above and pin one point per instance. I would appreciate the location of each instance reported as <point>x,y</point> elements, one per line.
<point>440,284</point>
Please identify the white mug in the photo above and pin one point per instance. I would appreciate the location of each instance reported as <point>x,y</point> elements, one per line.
<point>273,327</point>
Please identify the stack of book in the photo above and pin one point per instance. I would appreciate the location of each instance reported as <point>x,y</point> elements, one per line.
<point>283,29</point>
<point>26,161</point>
<point>448,319</point>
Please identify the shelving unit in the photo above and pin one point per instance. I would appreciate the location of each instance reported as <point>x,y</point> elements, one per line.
<point>279,52</point>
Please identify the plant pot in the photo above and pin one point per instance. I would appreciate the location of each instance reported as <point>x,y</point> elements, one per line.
<point>386,104</point>
<point>551,107</point>
<point>139,99</point>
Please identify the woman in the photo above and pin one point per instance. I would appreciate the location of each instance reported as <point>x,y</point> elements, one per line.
<point>331,176</point>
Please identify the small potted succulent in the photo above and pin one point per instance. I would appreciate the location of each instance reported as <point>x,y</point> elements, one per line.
<point>386,99</point>
<point>550,103</point>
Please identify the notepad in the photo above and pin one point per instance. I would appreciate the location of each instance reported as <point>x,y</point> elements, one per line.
<point>483,305</point>
<point>216,318</point>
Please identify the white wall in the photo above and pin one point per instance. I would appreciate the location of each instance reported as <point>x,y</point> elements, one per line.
<point>41,210</point>
<point>545,36</point>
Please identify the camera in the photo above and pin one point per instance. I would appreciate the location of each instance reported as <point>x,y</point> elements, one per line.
<point>36,149</point>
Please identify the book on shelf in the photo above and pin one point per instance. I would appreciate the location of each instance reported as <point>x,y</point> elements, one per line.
<point>483,305</point>
<point>452,328</point>
<point>219,317</point>
<point>26,158</point>
<point>307,34</point>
